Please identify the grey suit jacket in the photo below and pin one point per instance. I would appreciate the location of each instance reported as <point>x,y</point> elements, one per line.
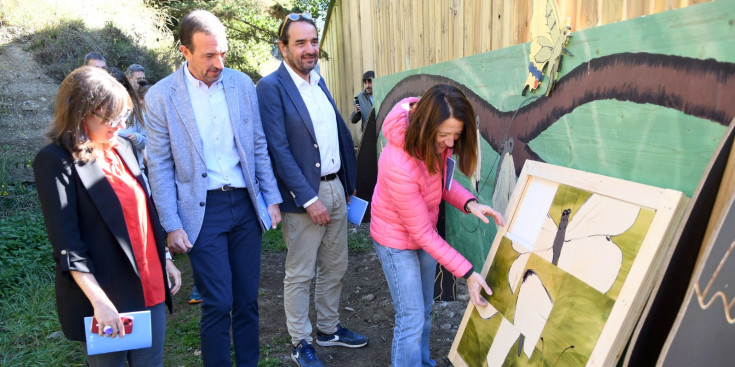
<point>178,174</point>
<point>365,105</point>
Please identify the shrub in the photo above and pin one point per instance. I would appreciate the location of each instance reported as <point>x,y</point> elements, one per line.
<point>62,48</point>
<point>24,245</point>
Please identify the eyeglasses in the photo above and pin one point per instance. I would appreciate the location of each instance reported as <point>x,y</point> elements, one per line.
<point>294,18</point>
<point>116,121</point>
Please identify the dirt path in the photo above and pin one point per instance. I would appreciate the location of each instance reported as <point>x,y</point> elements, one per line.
<point>26,98</point>
<point>366,307</point>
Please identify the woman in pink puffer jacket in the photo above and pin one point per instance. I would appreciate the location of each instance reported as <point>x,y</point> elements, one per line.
<point>421,135</point>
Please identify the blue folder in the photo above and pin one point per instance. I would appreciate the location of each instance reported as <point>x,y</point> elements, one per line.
<point>264,216</point>
<point>141,336</point>
<point>356,210</point>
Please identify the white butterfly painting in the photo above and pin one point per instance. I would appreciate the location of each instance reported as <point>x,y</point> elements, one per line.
<point>581,243</point>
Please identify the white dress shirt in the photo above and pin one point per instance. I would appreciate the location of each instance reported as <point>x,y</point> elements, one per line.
<point>212,117</point>
<point>324,120</point>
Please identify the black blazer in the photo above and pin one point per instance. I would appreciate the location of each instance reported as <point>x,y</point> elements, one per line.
<point>87,230</point>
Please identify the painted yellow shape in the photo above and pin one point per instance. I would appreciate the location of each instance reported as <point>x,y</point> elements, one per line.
<point>548,38</point>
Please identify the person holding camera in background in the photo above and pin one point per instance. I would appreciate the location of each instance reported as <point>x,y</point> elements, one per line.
<point>363,101</point>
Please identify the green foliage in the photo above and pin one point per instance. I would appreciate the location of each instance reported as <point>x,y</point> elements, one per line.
<point>23,241</point>
<point>273,241</point>
<point>252,27</point>
<point>61,32</point>
<point>15,196</point>
<point>24,245</point>
<point>62,48</point>
<point>30,333</point>
<point>359,240</point>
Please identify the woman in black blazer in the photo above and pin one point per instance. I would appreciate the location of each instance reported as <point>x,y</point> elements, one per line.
<point>108,244</point>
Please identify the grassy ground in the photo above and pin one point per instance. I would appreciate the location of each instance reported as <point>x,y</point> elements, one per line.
<point>30,333</point>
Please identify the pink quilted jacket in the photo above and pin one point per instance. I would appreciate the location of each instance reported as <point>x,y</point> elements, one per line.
<point>405,205</point>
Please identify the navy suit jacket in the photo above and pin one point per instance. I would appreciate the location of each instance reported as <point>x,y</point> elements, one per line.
<point>292,143</point>
<point>86,227</point>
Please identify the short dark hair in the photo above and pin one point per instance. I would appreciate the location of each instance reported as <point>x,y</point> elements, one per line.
<point>368,75</point>
<point>93,56</point>
<point>438,104</point>
<point>286,24</point>
<point>199,21</point>
<point>133,68</point>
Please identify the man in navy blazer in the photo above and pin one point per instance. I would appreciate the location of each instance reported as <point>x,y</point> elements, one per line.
<point>208,162</point>
<point>314,161</point>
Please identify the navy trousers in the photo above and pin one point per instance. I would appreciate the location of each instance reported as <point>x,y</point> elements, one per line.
<point>225,261</point>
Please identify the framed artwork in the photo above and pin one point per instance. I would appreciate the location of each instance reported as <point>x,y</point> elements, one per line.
<point>570,272</point>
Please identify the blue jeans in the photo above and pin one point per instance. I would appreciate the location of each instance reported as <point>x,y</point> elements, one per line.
<point>410,276</point>
<point>144,357</point>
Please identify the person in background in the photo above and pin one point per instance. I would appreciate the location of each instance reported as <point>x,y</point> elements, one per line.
<point>208,163</point>
<point>314,160</point>
<point>95,59</point>
<point>363,102</point>
<point>135,129</point>
<point>141,92</point>
<point>107,242</point>
<point>135,74</point>
<point>405,209</point>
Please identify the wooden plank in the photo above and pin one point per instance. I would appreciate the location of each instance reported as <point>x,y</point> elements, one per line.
<point>492,24</point>
<point>414,35</point>
<point>497,25</point>
<point>472,27</point>
<point>612,11</point>
<point>444,48</point>
<point>459,27</point>
<point>634,9</point>
<point>702,333</point>
<point>429,33</point>
<point>588,15</point>
<point>507,24</point>
<point>486,25</point>
<point>568,12</point>
<point>368,40</point>
<point>396,25</point>
<point>668,294</point>
<point>522,20</point>
<point>727,186</point>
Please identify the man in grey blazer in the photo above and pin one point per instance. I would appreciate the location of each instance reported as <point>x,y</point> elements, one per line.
<point>208,162</point>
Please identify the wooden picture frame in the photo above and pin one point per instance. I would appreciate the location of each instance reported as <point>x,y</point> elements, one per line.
<point>570,271</point>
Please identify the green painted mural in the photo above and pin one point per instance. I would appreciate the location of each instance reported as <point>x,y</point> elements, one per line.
<point>645,100</point>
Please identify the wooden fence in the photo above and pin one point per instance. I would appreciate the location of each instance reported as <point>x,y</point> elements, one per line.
<point>389,36</point>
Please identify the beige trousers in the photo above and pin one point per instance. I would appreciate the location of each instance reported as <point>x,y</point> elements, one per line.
<point>315,250</point>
